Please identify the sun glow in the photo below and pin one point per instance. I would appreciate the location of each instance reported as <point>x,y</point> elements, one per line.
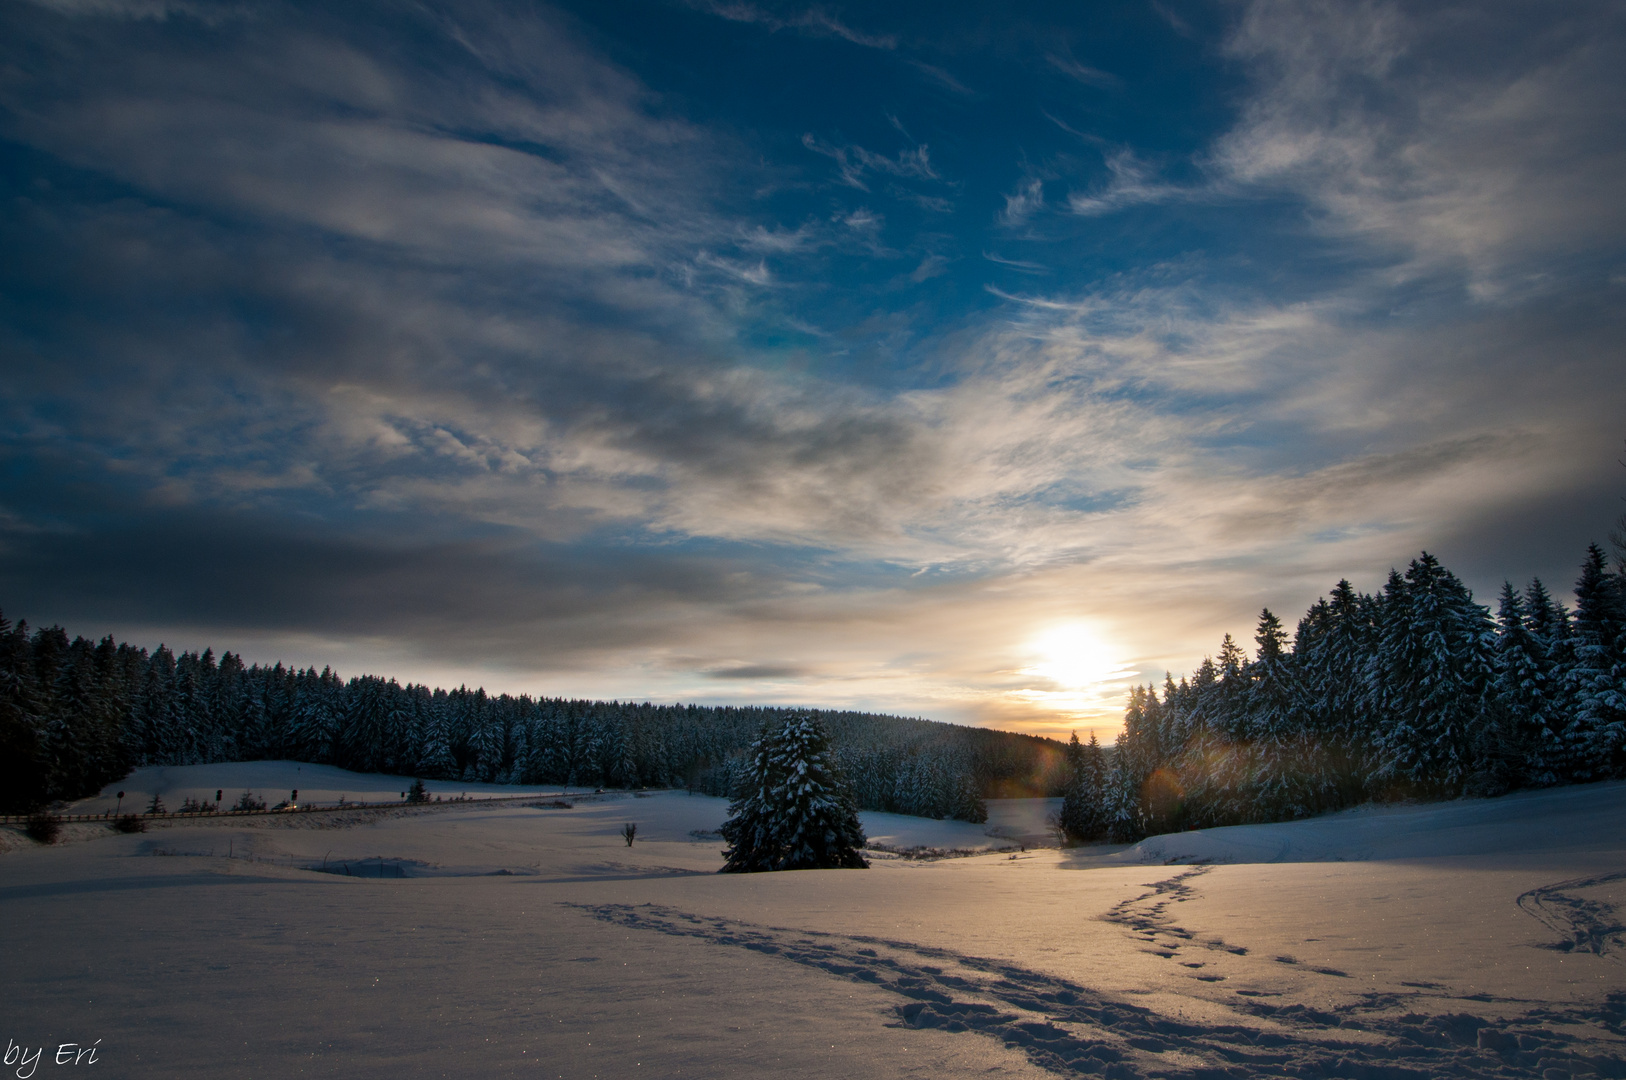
<point>1075,672</point>
<point>1074,657</point>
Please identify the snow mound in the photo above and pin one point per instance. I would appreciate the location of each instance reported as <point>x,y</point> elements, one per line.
<point>1580,818</point>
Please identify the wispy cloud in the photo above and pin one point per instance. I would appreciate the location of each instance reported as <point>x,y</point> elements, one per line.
<point>942,78</point>
<point>814,21</point>
<point>1023,203</point>
<point>1170,16</point>
<point>1133,183</point>
<point>1089,76</point>
<point>1501,153</point>
<point>159,10</point>
<point>1017,264</point>
<point>854,162</point>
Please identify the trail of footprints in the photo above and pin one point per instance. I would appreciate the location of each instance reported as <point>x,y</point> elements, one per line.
<point>1149,917</point>
<point>1069,1030</point>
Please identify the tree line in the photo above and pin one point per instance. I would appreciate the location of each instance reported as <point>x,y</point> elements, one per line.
<point>1415,691</point>
<point>76,715</point>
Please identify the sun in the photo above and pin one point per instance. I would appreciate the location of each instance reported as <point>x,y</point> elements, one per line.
<point>1076,673</point>
<point>1073,656</point>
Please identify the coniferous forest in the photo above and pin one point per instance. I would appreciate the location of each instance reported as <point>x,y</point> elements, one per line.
<point>76,715</point>
<point>1414,692</point>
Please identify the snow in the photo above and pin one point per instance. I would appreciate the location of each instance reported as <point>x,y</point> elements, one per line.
<point>273,781</point>
<point>474,939</point>
<point>1521,822</point>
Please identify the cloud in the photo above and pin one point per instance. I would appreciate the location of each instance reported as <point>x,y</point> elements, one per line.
<point>815,22</point>
<point>778,241</point>
<point>478,358</point>
<point>931,266</point>
<point>1133,183</point>
<point>943,79</point>
<point>206,13</point>
<point>854,161</point>
<point>1479,141</point>
<point>1083,73</point>
<point>863,220</point>
<point>757,671</point>
<point>1017,264</point>
<point>1168,15</point>
<point>1023,203</point>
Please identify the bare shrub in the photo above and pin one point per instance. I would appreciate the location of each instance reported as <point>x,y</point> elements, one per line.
<point>43,827</point>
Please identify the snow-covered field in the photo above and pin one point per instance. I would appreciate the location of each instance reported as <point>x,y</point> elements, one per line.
<point>1474,938</point>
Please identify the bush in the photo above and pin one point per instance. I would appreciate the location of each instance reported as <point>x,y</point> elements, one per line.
<point>129,823</point>
<point>247,801</point>
<point>43,827</point>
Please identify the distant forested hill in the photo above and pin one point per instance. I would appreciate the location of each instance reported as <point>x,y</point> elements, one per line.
<point>76,715</point>
<point>1416,691</point>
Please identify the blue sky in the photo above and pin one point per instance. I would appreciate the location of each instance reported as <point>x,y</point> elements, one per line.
<point>953,360</point>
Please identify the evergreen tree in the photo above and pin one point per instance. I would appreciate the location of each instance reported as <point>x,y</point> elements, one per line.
<point>1434,671</point>
<point>1596,680</point>
<point>22,779</point>
<point>73,711</point>
<point>1121,801</point>
<point>792,812</point>
<point>1331,651</point>
<point>1522,737</point>
<point>1281,785</point>
<point>1083,816</point>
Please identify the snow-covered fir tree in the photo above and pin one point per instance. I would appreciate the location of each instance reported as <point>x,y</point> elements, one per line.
<point>1283,784</point>
<point>1522,736</point>
<point>1432,676</point>
<point>1596,683</point>
<point>792,811</point>
<point>1083,805</point>
<point>1330,650</point>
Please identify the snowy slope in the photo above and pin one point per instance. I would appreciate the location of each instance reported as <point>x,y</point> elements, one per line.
<point>1011,822</point>
<point>1527,821</point>
<point>470,940</point>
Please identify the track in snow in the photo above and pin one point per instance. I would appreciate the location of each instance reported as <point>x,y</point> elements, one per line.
<point>1586,924</point>
<point>1070,1030</point>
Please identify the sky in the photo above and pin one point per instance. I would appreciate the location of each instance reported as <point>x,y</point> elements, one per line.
<point>964,361</point>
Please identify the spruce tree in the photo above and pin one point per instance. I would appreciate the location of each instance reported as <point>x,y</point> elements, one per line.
<point>22,780</point>
<point>792,812</point>
<point>1083,808</point>
<point>1331,654</point>
<point>1597,676</point>
<point>1073,817</point>
<point>1522,737</point>
<point>1121,800</point>
<point>1434,670</point>
<point>1281,785</point>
